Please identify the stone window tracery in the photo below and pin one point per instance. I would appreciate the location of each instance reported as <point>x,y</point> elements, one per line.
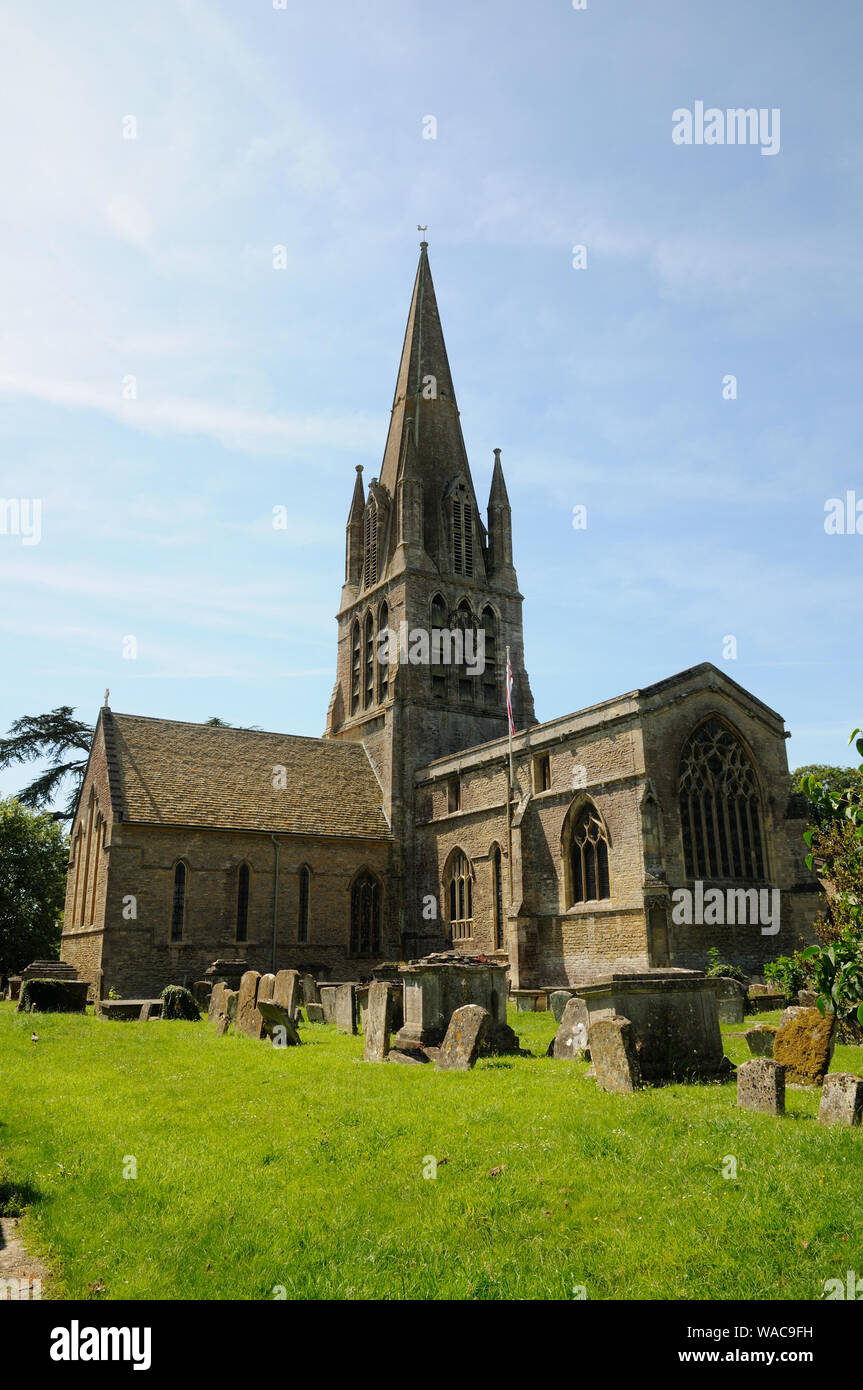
<point>720,807</point>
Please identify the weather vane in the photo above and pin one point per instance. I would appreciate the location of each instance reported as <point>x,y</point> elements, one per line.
<point>107,693</point>
<point>421,229</point>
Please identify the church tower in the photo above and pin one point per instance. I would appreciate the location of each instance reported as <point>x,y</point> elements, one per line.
<point>419,561</point>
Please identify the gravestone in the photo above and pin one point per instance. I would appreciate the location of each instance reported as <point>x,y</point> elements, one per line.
<point>557,1002</point>
<point>792,1011</point>
<point>315,1013</point>
<point>15,983</point>
<point>763,999</point>
<point>146,1011</point>
<point>328,1003</point>
<point>274,1018</point>
<point>218,1004</point>
<point>286,990</point>
<point>266,985</point>
<point>841,1099</point>
<point>379,1018</point>
<point>761,1086</point>
<point>311,994</point>
<point>571,1040</point>
<point>202,990</point>
<point>249,1020</point>
<point>345,1009</point>
<point>614,1054</point>
<point>804,1046</point>
<point>223,1023</point>
<point>464,1036</point>
<point>674,1020</point>
<point>730,999</point>
<point>444,981</point>
<point>760,1038</point>
<point>807,998</point>
<point>231,1000</point>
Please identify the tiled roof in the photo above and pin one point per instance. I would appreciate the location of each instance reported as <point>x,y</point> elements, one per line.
<point>196,774</point>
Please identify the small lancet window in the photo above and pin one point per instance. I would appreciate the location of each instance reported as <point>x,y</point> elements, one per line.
<point>178,904</point>
<point>243,902</point>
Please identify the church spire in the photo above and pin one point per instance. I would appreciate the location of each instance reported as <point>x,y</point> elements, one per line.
<point>499,527</point>
<point>354,529</point>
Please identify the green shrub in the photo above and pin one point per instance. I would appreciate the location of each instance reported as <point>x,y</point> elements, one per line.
<point>179,1002</point>
<point>788,973</point>
<point>716,967</point>
<point>53,997</point>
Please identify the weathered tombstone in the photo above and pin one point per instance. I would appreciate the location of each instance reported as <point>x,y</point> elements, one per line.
<point>232,997</point>
<point>460,1047</point>
<point>345,1009</point>
<point>285,990</point>
<point>275,1019</point>
<point>614,1054</point>
<point>249,1020</point>
<point>328,1003</point>
<point>807,998</point>
<point>202,990</point>
<point>761,1086</point>
<point>315,1013</point>
<point>557,1002</point>
<point>266,985</point>
<point>760,1038</point>
<point>804,1046</point>
<point>572,1037</point>
<point>792,1011</point>
<point>15,983</point>
<point>841,1099</point>
<point>146,1011</point>
<point>218,1004</point>
<point>730,999</point>
<point>223,1023</point>
<point>379,1022</point>
<point>311,994</point>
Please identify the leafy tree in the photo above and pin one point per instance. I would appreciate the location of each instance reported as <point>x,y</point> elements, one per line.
<point>846,782</point>
<point>33,859</point>
<point>53,737</point>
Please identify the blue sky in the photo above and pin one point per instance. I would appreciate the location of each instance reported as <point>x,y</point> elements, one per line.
<point>256,127</point>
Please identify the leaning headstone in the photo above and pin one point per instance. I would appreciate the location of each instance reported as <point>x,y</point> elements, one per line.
<point>249,1020</point>
<point>146,1011</point>
<point>311,994</point>
<point>328,1003</point>
<point>315,1013</point>
<point>841,1099</point>
<point>218,1004</point>
<point>266,985</point>
<point>460,1048</point>
<point>804,1046</point>
<point>557,1002</point>
<point>379,1022</point>
<point>760,1038</point>
<point>614,1054</point>
<point>572,1037</point>
<point>730,999</point>
<point>346,1009</point>
<point>285,990</point>
<point>761,1086</point>
<point>278,1024</point>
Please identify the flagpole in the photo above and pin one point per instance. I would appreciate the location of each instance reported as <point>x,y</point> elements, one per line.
<point>510,777</point>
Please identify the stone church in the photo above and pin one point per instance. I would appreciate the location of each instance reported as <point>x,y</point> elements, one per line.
<point>415,823</point>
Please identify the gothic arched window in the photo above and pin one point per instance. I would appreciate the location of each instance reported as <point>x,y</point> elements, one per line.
<point>356,652</point>
<point>459,896</point>
<point>497,889</point>
<point>382,666</point>
<point>178,901</point>
<point>304,903</point>
<point>461,536</point>
<point>588,857</point>
<point>720,808</point>
<point>369,661</point>
<point>243,902</point>
<point>466,626</point>
<point>438,614</point>
<point>489,674</point>
<point>365,915</point>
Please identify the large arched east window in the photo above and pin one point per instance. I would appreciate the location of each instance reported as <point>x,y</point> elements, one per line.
<point>365,915</point>
<point>588,857</point>
<point>243,877</point>
<point>720,808</point>
<point>459,896</point>
<point>178,902</point>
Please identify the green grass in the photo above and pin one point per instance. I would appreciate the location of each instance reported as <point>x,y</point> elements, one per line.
<point>303,1168</point>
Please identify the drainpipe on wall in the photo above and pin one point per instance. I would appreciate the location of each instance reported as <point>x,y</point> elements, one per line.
<point>275,896</point>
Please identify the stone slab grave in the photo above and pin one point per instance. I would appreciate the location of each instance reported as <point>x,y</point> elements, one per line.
<point>760,1039</point>
<point>126,1010</point>
<point>841,1099</point>
<point>571,1041</point>
<point>49,970</point>
<point>345,1009</point>
<point>286,990</point>
<point>314,1013</point>
<point>761,1086</point>
<point>379,1017</point>
<point>274,1020</point>
<point>229,972</point>
<point>614,1054</point>
<point>730,999</point>
<point>464,1037</point>
<point>763,999</point>
<point>249,1020</point>
<point>674,1021</point>
<point>804,1045</point>
<point>557,1002</point>
<point>437,985</point>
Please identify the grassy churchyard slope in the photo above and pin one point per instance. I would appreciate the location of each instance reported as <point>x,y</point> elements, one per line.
<point>303,1168</point>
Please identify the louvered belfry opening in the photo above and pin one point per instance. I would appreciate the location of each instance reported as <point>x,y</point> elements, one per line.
<point>462,531</point>
<point>720,807</point>
<point>370,544</point>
